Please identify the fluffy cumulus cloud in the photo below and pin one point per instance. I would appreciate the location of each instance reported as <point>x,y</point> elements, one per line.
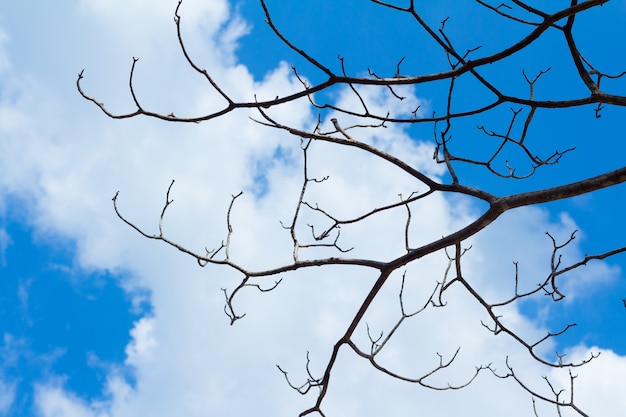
<point>53,401</point>
<point>595,383</point>
<point>65,161</point>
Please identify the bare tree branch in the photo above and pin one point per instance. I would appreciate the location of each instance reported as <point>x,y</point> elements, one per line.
<point>513,133</point>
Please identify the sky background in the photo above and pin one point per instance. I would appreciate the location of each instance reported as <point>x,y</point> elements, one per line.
<point>98,321</point>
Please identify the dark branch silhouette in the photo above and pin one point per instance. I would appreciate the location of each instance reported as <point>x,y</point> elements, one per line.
<point>514,136</point>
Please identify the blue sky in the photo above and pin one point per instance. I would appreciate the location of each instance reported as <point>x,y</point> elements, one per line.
<point>97,321</point>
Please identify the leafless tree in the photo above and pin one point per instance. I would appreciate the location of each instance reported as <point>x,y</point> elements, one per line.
<point>450,70</point>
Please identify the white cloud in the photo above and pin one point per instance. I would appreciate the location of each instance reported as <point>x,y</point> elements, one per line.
<point>10,350</point>
<point>143,342</point>
<point>7,396</point>
<point>5,242</point>
<point>145,23</point>
<point>596,383</point>
<point>5,63</point>
<point>53,401</point>
<point>184,358</point>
